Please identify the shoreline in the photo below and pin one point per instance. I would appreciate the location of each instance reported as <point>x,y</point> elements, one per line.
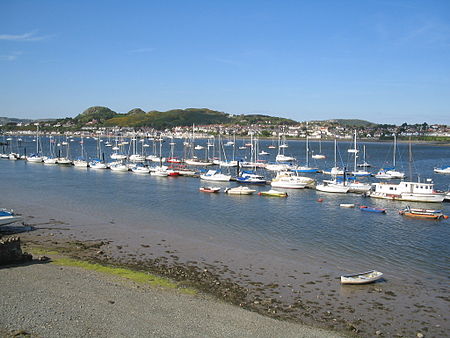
<point>69,298</point>
<point>317,300</point>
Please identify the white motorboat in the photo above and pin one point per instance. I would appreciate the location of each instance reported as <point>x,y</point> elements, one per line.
<point>34,158</point>
<point>362,278</point>
<point>51,160</point>
<point>284,158</point>
<point>290,180</point>
<point>333,186</point>
<point>239,191</point>
<point>389,174</point>
<point>8,217</point>
<point>63,161</point>
<point>358,187</point>
<point>407,191</point>
<point>140,169</point>
<point>80,163</point>
<point>214,175</point>
<point>97,164</point>
<point>118,166</point>
<point>443,170</point>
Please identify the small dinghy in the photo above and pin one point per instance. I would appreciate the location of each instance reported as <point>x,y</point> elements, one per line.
<point>210,189</point>
<point>370,209</point>
<point>240,191</point>
<point>362,278</point>
<point>423,213</point>
<point>8,217</point>
<point>347,205</point>
<point>273,193</point>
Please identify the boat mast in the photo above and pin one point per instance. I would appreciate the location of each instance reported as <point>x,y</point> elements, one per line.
<point>307,150</point>
<point>356,151</point>
<point>335,155</point>
<point>395,148</point>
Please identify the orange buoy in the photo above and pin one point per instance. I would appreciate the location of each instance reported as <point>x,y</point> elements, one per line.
<point>320,200</point>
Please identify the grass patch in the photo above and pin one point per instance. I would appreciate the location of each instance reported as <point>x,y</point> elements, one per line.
<point>40,251</point>
<point>135,276</point>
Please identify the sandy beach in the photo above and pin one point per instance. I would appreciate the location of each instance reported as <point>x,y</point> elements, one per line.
<point>48,300</point>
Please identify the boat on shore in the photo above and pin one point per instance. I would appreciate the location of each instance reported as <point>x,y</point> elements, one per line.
<point>423,213</point>
<point>8,217</point>
<point>362,278</point>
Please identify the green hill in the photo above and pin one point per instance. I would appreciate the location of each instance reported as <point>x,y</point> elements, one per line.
<point>98,113</point>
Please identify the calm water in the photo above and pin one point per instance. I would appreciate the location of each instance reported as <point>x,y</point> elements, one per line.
<point>275,226</point>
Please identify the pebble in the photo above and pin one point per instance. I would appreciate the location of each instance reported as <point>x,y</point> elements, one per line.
<point>419,335</point>
<point>378,333</point>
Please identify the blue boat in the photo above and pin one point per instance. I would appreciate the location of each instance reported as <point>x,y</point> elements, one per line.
<point>249,177</point>
<point>370,209</point>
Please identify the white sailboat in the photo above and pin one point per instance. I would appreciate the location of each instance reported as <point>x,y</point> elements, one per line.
<point>391,173</point>
<point>37,157</point>
<point>319,156</point>
<point>356,171</point>
<point>306,168</point>
<point>80,162</point>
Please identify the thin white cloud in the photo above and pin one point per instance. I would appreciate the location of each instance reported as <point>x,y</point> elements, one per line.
<point>11,56</point>
<point>30,36</point>
<point>141,50</point>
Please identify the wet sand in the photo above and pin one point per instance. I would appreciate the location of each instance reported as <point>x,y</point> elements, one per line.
<point>305,291</point>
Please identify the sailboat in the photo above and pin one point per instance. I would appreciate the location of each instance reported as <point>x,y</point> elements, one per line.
<point>194,160</point>
<point>80,162</point>
<point>391,173</point>
<point>97,163</point>
<point>357,172</point>
<point>364,164</point>
<point>37,157</point>
<point>335,170</point>
<point>282,145</point>
<point>319,156</point>
<point>51,159</point>
<point>135,157</point>
<point>306,168</point>
<point>336,185</point>
<point>64,160</point>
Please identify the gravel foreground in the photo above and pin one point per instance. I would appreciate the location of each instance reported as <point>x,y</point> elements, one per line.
<point>47,300</point>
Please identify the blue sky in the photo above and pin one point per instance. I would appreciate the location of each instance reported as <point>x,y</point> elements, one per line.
<point>385,61</point>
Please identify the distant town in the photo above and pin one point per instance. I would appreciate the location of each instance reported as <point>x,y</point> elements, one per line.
<point>203,122</point>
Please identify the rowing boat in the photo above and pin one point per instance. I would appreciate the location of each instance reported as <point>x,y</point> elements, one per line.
<point>370,209</point>
<point>273,193</point>
<point>210,189</point>
<point>361,278</point>
<point>422,213</point>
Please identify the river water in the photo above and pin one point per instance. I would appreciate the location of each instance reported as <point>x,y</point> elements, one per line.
<point>282,234</point>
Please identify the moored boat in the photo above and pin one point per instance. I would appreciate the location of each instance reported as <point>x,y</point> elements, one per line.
<point>371,209</point>
<point>210,189</point>
<point>239,191</point>
<point>347,205</point>
<point>423,213</point>
<point>273,193</point>
<point>362,278</point>
<point>443,170</point>
<point>8,217</point>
